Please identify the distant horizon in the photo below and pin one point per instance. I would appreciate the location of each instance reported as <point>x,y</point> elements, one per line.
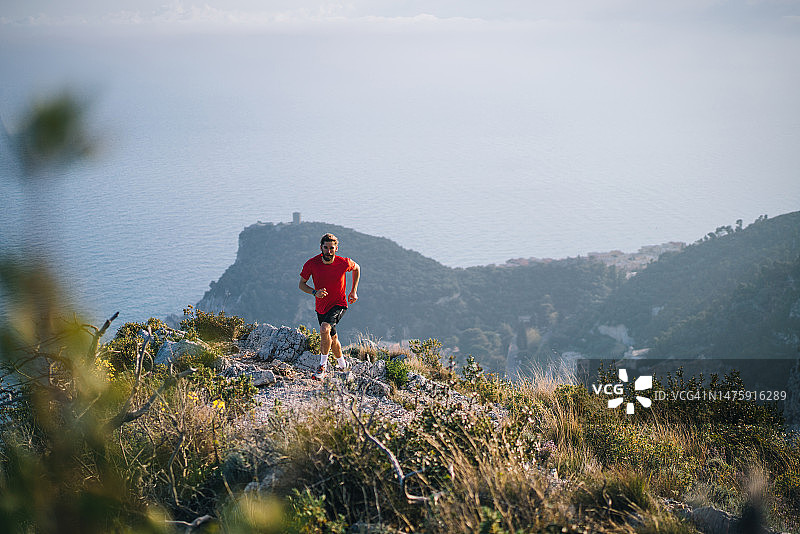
<point>745,224</point>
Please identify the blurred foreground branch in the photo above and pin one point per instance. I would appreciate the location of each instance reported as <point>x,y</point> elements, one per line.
<point>52,135</point>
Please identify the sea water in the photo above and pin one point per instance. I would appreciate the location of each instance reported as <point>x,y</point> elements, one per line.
<point>470,150</point>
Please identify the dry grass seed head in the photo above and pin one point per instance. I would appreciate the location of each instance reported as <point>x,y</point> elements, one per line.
<point>620,496</point>
<point>486,473</point>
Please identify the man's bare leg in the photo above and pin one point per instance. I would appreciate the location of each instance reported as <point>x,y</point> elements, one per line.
<point>325,339</point>
<point>336,346</point>
<point>325,342</point>
<point>341,363</point>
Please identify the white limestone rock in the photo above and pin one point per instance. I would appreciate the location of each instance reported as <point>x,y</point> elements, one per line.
<point>260,335</point>
<point>271,343</point>
<point>163,333</point>
<point>310,361</point>
<point>376,388</point>
<point>173,350</point>
<point>258,375</point>
<point>263,378</point>
<point>375,370</point>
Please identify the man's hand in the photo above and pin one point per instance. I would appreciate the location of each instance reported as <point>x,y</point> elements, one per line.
<point>321,293</point>
<point>352,297</point>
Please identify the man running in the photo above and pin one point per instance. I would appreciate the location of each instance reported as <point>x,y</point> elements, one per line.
<point>330,285</point>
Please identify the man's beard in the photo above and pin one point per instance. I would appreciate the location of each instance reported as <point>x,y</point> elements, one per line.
<point>327,257</point>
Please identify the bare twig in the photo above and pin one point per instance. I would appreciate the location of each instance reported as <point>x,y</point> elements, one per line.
<point>94,401</point>
<point>402,478</point>
<point>140,360</point>
<point>377,502</point>
<point>115,422</point>
<point>193,525</point>
<point>171,472</point>
<point>125,416</point>
<point>92,352</point>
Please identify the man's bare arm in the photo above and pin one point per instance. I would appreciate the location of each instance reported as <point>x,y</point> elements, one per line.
<point>305,288</point>
<point>353,296</point>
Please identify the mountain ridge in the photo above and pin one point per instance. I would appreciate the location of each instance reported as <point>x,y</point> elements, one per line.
<point>697,290</point>
<point>568,305</point>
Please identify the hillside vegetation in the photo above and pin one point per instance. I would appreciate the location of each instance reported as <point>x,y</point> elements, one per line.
<point>106,441</point>
<point>733,295</point>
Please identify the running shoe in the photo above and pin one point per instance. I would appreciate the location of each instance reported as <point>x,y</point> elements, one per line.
<point>319,374</point>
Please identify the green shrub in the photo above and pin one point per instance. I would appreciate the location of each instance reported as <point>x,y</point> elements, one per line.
<point>237,394</point>
<point>252,513</point>
<point>429,353</point>
<point>788,484</point>
<point>397,371</point>
<point>121,352</point>
<point>210,358</point>
<point>742,443</point>
<point>314,339</point>
<point>786,506</point>
<point>474,466</point>
<point>396,366</point>
<point>328,452</point>
<point>490,388</point>
<point>307,515</point>
<point>576,398</point>
<point>175,453</point>
<point>59,468</point>
<point>491,522</point>
<point>472,371</point>
<point>720,411</point>
<point>621,444</point>
<point>665,523</point>
<point>213,327</point>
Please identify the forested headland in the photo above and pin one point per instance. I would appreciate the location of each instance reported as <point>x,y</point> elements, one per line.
<point>732,294</point>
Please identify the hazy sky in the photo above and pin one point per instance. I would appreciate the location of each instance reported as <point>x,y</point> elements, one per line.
<point>772,14</point>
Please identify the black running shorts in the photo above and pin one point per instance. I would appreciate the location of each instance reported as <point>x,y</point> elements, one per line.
<point>332,317</point>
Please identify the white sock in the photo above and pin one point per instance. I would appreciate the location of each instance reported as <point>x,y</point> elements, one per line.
<point>342,362</point>
<point>323,360</point>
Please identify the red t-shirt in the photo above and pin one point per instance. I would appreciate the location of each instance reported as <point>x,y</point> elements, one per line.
<point>331,277</point>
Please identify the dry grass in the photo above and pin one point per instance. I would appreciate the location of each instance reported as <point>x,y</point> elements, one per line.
<point>499,478</point>
<point>470,479</point>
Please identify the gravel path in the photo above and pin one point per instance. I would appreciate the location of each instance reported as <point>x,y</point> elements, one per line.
<point>364,385</point>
